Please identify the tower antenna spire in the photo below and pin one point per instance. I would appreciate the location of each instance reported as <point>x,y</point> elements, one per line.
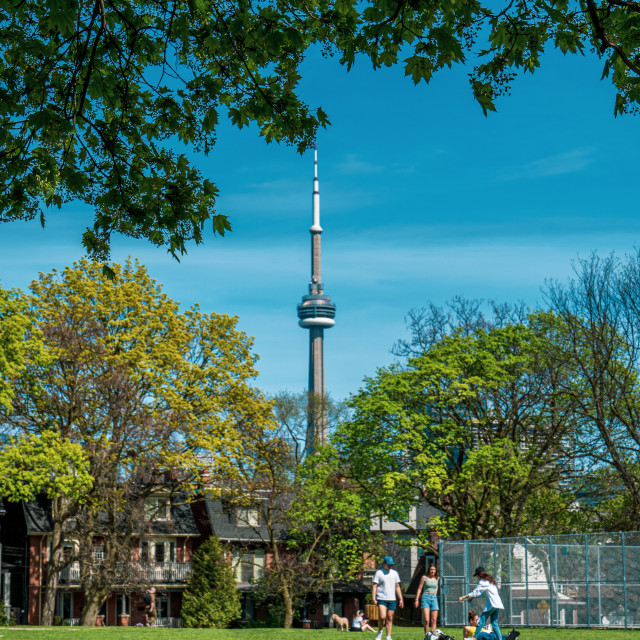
<point>316,312</point>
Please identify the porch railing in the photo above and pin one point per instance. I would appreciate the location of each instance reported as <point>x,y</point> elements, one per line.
<point>172,623</point>
<point>137,572</point>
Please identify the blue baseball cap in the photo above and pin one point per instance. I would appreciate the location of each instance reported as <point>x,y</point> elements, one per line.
<point>387,560</point>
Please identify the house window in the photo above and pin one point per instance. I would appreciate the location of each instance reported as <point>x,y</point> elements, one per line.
<point>162,607</point>
<point>248,517</point>
<point>98,552</point>
<point>67,552</point>
<point>123,605</point>
<point>158,551</point>
<point>165,551</point>
<point>64,605</point>
<point>158,508</point>
<point>248,565</point>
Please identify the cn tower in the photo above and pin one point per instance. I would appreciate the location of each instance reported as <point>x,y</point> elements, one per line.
<point>316,312</point>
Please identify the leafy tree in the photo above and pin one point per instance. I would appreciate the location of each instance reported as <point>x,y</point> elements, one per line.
<point>313,525</point>
<point>44,464</point>
<point>599,338</point>
<point>20,342</point>
<point>476,426</point>
<point>211,600</point>
<point>35,464</point>
<point>95,94</point>
<point>144,389</point>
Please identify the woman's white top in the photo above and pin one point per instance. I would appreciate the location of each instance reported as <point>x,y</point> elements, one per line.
<point>491,591</point>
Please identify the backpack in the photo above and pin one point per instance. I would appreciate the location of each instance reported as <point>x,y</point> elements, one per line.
<point>147,598</point>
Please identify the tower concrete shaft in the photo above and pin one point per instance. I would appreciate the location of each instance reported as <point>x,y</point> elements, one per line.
<point>316,312</point>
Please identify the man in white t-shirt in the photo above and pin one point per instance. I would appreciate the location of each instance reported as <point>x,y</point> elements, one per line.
<point>386,593</point>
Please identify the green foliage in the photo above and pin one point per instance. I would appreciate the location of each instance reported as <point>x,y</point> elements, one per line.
<point>137,382</point>
<point>327,516</point>
<point>211,600</point>
<point>312,524</point>
<point>476,426</point>
<point>94,96</point>
<point>133,388</point>
<point>44,463</point>
<point>20,343</point>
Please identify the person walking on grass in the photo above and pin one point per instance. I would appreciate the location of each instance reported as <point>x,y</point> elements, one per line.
<point>488,586</point>
<point>387,594</point>
<point>429,602</point>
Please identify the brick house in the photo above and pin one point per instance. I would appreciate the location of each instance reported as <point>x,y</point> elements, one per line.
<point>161,558</point>
<point>243,532</point>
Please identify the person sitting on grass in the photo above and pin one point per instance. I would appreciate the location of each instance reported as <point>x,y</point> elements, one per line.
<point>469,631</point>
<point>360,623</point>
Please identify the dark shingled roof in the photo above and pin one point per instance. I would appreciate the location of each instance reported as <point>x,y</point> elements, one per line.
<point>38,518</point>
<point>182,521</point>
<point>424,513</point>
<point>37,515</point>
<point>225,526</point>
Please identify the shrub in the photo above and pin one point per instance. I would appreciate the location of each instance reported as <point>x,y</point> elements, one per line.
<point>211,600</point>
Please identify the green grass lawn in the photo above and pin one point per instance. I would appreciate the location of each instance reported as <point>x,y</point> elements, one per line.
<point>400,633</point>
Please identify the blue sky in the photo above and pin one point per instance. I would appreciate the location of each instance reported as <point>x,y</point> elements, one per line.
<point>422,199</point>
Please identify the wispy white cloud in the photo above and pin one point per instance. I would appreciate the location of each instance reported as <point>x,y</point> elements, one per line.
<point>352,164</point>
<point>559,164</point>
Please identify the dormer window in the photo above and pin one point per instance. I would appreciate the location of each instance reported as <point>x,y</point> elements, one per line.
<point>247,517</point>
<point>158,509</point>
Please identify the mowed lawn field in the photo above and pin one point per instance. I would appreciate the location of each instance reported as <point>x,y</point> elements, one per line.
<point>400,633</point>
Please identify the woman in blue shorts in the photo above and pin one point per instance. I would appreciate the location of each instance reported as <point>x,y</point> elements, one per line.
<point>429,600</point>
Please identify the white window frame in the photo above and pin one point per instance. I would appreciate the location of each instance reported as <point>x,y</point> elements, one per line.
<point>247,517</point>
<point>152,546</point>
<point>163,602</point>
<point>257,561</point>
<point>158,508</point>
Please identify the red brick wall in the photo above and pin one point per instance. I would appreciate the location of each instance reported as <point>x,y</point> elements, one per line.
<point>137,609</point>
<point>37,562</point>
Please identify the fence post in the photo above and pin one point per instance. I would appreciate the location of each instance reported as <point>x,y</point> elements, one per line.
<point>495,558</point>
<point>510,548</point>
<point>586,557</point>
<point>443,598</point>
<point>624,580</point>
<point>526,576</point>
<point>551,582</point>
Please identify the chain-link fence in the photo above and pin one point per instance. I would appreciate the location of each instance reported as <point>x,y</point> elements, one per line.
<point>585,580</point>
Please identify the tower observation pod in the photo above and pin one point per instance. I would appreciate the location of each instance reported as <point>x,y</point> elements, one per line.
<point>316,312</point>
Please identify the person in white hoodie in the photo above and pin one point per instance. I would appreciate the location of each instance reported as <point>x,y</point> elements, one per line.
<point>488,586</point>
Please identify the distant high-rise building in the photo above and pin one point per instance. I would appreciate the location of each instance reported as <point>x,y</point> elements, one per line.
<point>316,312</point>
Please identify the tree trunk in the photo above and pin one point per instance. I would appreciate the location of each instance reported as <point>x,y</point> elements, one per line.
<point>90,610</point>
<point>287,601</point>
<point>54,564</point>
<point>331,604</point>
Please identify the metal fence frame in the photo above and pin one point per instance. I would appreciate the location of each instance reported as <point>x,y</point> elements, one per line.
<point>576,580</point>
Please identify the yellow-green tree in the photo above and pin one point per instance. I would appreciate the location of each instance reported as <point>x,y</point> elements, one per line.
<point>148,390</point>
<point>19,343</point>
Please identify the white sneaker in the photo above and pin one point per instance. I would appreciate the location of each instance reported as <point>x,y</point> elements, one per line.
<point>379,635</point>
